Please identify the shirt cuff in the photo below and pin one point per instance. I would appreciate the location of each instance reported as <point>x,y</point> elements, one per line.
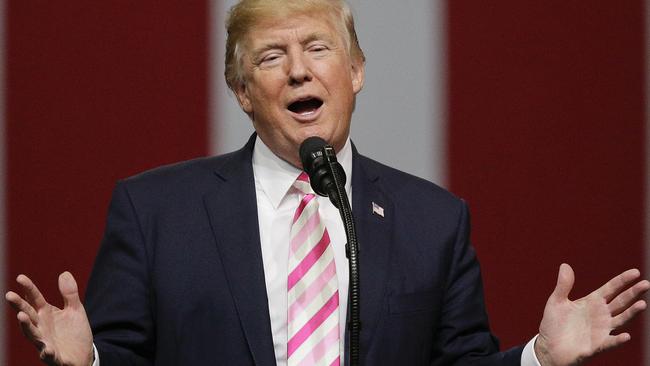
<point>528,356</point>
<point>95,356</point>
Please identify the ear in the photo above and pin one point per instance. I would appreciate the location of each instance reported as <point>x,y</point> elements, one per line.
<point>241,92</point>
<point>358,73</point>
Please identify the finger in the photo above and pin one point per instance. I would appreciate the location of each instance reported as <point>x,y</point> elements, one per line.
<point>624,317</point>
<point>623,300</point>
<point>29,329</point>
<point>614,286</point>
<point>32,294</point>
<point>615,341</point>
<point>69,290</point>
<point>19,304</point>
<point>565,280</point>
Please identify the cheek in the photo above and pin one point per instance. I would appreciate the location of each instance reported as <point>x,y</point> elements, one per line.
<point>264,105</point>
<point>267,89</point>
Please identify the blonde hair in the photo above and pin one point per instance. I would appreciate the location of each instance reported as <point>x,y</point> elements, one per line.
<point>247,13</point>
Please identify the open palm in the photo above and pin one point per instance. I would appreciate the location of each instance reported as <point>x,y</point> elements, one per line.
<point>62,336</point>
<point>573,331</point>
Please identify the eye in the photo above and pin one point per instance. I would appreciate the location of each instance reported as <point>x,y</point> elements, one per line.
<point>318,48</point>
<point>270,58</point>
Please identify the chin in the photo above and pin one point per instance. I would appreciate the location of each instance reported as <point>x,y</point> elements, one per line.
<point>312,132</point>
<point>329,136</point>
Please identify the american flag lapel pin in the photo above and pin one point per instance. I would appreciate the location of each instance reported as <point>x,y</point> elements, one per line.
<point>377,210</point>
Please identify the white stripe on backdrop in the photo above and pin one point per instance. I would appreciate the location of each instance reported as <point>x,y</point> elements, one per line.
<point>401,112</point>
<point>3,148</point>
<point>646,349</point>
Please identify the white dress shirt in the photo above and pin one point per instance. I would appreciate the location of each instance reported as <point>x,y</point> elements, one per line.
<point>277,201</point>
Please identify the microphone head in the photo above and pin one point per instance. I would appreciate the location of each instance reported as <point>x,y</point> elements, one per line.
<point>319,162</point>
<point>310,151</point>
<point>313,162</point>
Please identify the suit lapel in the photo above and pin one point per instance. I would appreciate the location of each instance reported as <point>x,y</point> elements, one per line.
<point>232,210</point>
<point>374,233</point>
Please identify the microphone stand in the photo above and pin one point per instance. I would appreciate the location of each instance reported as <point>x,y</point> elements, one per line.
<point>351,251</point>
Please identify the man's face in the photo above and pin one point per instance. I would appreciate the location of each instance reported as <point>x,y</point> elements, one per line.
<point>299,82</point>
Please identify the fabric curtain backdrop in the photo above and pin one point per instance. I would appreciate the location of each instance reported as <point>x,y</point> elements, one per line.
<point>536,114</point>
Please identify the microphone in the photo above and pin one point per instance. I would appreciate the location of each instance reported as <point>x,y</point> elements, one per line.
<point>319,162</point>
<point>327,178</point>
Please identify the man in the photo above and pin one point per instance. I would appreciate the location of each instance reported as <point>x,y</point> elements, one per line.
<point>198,261</point>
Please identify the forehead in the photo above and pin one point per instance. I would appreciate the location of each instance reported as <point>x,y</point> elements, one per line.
<point>299,28</point>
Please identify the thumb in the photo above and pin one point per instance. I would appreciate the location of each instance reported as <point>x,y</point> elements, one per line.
<point>565,280</point>
<point>69,290</point>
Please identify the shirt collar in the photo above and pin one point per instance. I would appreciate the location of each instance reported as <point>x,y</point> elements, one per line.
<point>275,176</point>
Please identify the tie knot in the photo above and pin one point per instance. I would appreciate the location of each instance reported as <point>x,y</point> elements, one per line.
<point>302,184</point>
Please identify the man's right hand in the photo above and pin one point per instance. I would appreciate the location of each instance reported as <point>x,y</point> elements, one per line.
<point>62,336</point>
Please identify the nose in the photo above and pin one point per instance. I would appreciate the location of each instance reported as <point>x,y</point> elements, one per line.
<point>299,71</point>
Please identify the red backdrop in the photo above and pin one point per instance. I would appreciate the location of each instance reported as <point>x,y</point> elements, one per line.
<point>546,143</point>
<point>96,91</point>
<point>545,136</point>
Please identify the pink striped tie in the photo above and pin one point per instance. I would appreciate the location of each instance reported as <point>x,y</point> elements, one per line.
<point>312,285</point>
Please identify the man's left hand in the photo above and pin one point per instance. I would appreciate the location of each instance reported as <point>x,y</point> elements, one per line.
<point>574,331</point>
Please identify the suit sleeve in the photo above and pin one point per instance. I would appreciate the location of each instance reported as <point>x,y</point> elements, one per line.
<point>119,298</point>
<point>464,336</point>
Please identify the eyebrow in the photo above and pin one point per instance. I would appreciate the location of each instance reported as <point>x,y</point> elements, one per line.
<point>315,37</point>
<point>266,47</point>
<point>281,45</point>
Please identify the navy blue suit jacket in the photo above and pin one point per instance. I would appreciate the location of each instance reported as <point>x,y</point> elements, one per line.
<point>179,279</point>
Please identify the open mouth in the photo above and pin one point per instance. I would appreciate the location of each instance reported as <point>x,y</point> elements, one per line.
<point>306,106</point>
